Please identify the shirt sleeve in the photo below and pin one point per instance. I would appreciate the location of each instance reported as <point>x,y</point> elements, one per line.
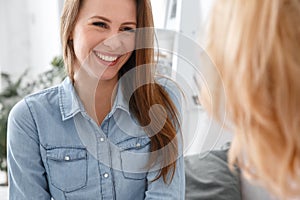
<point>26,172</point>
<point>163,191</point>
<point>176,189</point>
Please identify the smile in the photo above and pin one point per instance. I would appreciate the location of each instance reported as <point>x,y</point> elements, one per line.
<point>105,57</point>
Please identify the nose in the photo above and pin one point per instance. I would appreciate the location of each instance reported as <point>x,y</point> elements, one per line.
<point>113,41</point>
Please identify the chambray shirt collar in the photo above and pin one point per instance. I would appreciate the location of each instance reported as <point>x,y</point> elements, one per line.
<point>70,104</point>
<point>120,101</point>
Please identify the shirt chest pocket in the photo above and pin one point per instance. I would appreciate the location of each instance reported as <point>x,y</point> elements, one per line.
<point>135,160</point>
<point>67,168</point>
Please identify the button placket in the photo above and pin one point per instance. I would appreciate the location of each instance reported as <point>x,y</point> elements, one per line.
<point>104,159</point>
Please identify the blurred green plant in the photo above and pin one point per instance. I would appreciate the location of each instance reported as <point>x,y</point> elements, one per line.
<point>13,91</point>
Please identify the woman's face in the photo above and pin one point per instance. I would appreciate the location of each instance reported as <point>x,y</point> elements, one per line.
<point>104,36</point>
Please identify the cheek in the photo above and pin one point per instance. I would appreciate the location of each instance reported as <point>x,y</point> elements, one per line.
<point>128,55</point>
<point>124,59</point>
<point>83,45</point>
<point>79,48</point>
<point>129,44</point>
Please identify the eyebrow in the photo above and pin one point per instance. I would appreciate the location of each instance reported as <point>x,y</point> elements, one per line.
<point>107,20</point>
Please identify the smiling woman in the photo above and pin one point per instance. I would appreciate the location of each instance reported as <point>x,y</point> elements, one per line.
<point>98,37</point>
<point>110,130</point>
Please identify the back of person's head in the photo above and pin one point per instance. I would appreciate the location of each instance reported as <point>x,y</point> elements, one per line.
<point>255,47</point>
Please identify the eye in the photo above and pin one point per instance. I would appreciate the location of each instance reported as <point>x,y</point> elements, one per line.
<point>128,29</point>
<point>100,24</point>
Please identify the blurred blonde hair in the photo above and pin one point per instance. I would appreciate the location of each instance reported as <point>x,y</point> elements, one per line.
<point>255,47</point>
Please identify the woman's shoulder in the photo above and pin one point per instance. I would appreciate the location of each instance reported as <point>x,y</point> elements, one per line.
<point>25,114</point>
<point>167,83</point>
<point>37,99</point>
<point>172,88</point>
<point>47,93</point>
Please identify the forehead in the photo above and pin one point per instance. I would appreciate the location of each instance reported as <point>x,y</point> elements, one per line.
<point>121,10</point>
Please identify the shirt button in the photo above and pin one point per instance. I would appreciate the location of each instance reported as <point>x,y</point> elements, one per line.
<point>102,139</point>
<point>106,175</point>
<point>138,144</point>
<point>67,158</point>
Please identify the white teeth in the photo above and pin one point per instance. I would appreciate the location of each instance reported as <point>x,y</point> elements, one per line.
<point>106,58</point>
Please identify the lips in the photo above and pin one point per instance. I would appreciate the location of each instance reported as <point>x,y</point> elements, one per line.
<point>107,59</point>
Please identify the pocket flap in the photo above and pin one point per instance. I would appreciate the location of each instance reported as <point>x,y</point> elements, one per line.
<point>66,154</point>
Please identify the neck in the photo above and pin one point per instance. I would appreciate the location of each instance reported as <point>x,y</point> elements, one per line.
<point>96,95</point>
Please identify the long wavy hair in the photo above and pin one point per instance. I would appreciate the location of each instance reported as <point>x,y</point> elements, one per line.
<point>255,46</point>
<point>143,97</point>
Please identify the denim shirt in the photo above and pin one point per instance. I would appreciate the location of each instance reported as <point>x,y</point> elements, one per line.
<point>56,151</point>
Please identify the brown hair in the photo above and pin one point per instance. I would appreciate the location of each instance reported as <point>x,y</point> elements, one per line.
<point>145,96</point>
<point>255,46</point>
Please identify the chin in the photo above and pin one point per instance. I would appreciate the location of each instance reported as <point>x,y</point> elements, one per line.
<point>108,77</point>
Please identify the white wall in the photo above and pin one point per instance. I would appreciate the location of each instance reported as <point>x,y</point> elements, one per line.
<point>29,35</point>
<point>43,33</point>
<point>200,132</point>
<point>14,34</point>
<point>159,12</point>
